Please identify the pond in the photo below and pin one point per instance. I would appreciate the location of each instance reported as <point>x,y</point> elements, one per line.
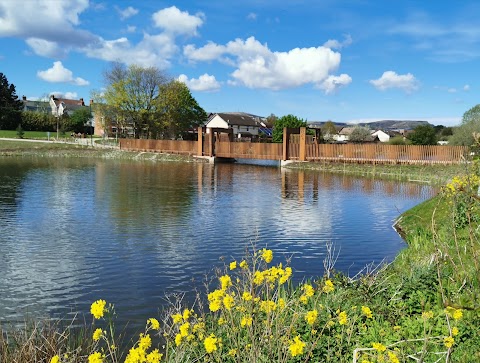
<point>74,231</point>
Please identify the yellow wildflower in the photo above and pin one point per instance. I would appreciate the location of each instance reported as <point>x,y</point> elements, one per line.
<point>97,309</point>
<point>210,343</point>
<point>328,286</point>
<point>228,302</point>
<point>247,296</point>
<point>268,306</point>
<point>145,342</point>
<point>308,290</point>
<point>96,357</point>
<point>281,303</point>
<point>215,305</point>
<point>427,315</point>
<point>97,334</point>
<point>178,339</point>
<point>221,321</point>
<point>311,316</point>
<point>177,318</point>
<point>296,347</point>
<point>367,312</point>
<point>184,329</point>
<point>233,265</point>
<point>454,331</point>
<point>342,318</point>
<point>243,264</point>
<point>55,359</point>
<point>258,277</point>
<point>232,352</point>
<point>154,356</point>
<point>186,314</point>
<point>379,347</point>
<point>303,299</point>
<point>246,321</point>
<point>267,255</point>
<point>225,281</point>
<point>285,275</point>
<point>457,314</point>
<point>448,342</point>
<point>393,357</point>
<point>154,323</point>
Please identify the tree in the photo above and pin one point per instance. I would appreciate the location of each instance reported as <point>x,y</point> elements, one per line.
<point>286,121</point>
<point>328,130</point>
<point>10,106</point>
<point>131,93</point>
<point>78,119</point>
<point>176,111</point>
<point>271,120</point>
<point>423,135</point>
<point>463,134</point>
<point>359,134</point>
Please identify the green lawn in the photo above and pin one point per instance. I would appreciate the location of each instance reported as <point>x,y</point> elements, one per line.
<point>38,135</point>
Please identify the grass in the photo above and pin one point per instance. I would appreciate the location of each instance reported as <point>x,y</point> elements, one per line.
<point>36,135</point>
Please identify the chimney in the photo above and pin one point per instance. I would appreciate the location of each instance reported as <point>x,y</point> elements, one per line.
<point>81,100</point>
<point>24,98</point>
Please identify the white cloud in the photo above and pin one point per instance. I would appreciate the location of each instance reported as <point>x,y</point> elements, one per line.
<point>452,90</point>
<point>66,95</point>
<point>252,16</point>
<point>46,48</point>
<point>333,83</point>
<point>335,44</point>
<point>174,21</point>
<point>126,13</point>
<point>205,82</point>
<point>466,88</point>
<point>131,29</point>
<point>258,67</point>
<point>59,74</point>
<point>391,79</point>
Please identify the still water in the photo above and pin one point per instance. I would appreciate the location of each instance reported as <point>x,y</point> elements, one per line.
<point>72,232</point>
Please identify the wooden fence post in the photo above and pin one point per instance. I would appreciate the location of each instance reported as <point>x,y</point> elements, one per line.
<point>303,144</point>
<point>286,141</point>
<point>200,141</point>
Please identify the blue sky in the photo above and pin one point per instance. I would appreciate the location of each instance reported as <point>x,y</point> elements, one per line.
<point>343,60</point>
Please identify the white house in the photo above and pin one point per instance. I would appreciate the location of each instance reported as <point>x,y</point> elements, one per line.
<point>382,136</point>
<point>242,124</point>
<point>60,106</point>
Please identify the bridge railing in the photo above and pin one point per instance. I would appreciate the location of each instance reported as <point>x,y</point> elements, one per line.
<point>165,146</point>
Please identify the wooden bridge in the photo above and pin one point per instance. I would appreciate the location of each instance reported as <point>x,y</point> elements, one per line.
<point>298,146</point>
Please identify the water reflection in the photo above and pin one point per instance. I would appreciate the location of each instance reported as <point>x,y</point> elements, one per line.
<point>75,231</point>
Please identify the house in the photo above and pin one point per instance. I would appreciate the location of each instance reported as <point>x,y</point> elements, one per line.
<point>344,134</point>
<point>382,136</point>
<point>243,125</point>
<point>60,106</point>
<point>35,106</point>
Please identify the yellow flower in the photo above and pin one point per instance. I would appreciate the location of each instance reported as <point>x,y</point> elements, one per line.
<point>98,309</point>
<point>281,303</point>
<point>393,357</point>
<point>178,339</point>
<point>454,331</point>
<point>342,318</point>
<point>457,314</point>
<point>448,342</point>
<point>215,305</point>
<point>379,346</point>
<point>285,276</point>
<point>221,321</point>
<point>258,277</point>
<point>177,318</point>
<point>55,359</point>
<point>210,343</point>
<point>308,290</point>
<point>246,321</point>
<point>367,312</point>
<point>154,323</point>
<point>427,315</point>
<point>268,306</point>
<point>145,342</point>
<point>247,296</point>
<point>303,299</point>
<point>96,357</point>
<point>296,347</point>
<point>233,265</point>
<point>228,302</point>
<point>186,314</point>
<point>243,264</point>
<point>267,255</point>
<point>328,287</point>
<point>97,334</point>
<point>184,329</point>
<point>225,281</point>
<point>154,356</point>
<point>311,316</point>
<point>232,352</point>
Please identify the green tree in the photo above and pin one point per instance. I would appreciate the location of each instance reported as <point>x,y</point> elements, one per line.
<point>131,93</point>
<point>328,130</point>
<point>78,120</point>
<point>463,134</point>
<point>423,135</point>
<point>10,106</point>
<point>359,134</point>
<point>271,120</point>
<point>176,111</point>
<point>286,121</point>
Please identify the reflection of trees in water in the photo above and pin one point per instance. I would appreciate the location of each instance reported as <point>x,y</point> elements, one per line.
<point>301,184</point>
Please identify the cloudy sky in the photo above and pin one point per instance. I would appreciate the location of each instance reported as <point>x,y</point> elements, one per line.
<point>343,60</point>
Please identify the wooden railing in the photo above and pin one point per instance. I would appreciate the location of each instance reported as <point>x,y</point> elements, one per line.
<point>248,150</point>
<point>164,146</point>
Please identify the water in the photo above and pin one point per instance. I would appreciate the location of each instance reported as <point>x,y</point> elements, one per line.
<point>72,232</point>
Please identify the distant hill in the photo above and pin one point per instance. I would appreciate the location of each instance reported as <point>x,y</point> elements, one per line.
<point>383,124</point>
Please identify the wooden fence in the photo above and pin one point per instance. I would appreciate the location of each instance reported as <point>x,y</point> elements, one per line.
<point>164,146</point>
<point>248,150</point>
